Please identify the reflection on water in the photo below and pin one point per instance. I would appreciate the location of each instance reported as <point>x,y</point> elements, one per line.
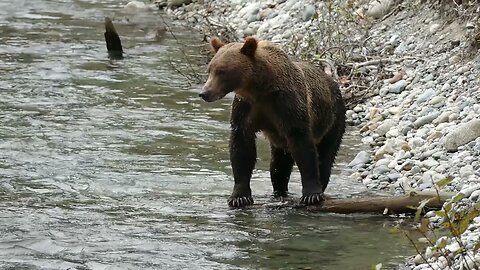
<point>118,165</point>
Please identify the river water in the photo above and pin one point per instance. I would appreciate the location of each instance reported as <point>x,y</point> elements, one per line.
<point>119,165</point>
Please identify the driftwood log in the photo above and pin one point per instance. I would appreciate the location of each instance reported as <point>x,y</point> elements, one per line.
<point>405,204</point>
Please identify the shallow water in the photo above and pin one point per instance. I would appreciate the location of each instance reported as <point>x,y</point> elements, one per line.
<point>119,165</point>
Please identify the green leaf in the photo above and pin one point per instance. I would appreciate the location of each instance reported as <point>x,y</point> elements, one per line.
<point>476,205</point>
<point>394,230</point>
<point>447,207</point>
<point>445,181</point>
<point>420,208</point>
<point>440,213</point>
<point>463,226</point>
<point>424,225</point>
<point>458,197</point>
<point>442,244</point>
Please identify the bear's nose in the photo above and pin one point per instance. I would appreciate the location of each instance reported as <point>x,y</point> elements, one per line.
<point>203,95</point>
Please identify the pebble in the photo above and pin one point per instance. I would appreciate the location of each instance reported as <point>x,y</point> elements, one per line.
<point>429,93</point>
<point>308,12</point>
<point>466,171</point>
<point>434,28</point>
<point>397,87</point>
<point>425,119</point>
<point>383,128</point>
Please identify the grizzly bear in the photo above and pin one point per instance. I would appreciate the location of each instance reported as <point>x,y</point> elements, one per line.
<point>298,107</point>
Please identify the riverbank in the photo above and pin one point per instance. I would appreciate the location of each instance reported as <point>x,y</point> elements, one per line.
<point>410,73</point>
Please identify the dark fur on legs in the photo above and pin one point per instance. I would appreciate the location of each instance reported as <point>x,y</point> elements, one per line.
<point>281,166</point>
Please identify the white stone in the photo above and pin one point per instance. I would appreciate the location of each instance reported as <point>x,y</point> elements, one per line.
<point>361,158</point>
<point>308,12</point>
<point>429,163</point>
<point>135,6</point>
<point>434,28</point>
<point>466,171</point>
<point>468,190</point>
<point>426,119</point>
<point>428,94</point>
<point>383,128</point>
<point>379,8</point>
<point>462,134</point>
<point>453,247</point>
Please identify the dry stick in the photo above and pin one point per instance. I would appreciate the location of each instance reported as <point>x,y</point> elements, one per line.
<point>380,61</point>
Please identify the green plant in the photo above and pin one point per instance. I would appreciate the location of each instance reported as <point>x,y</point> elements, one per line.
<point>455,217</point>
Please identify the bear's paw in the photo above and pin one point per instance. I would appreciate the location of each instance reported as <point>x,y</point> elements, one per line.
<point>237,202</point>
<point>313,199</point>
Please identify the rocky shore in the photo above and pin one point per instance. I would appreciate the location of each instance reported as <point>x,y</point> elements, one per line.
<point>419,64</point>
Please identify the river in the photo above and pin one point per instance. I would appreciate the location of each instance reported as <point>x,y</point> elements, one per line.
<point>119,165</point>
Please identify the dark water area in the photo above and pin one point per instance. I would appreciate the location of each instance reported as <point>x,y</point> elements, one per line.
<point>119,165</point>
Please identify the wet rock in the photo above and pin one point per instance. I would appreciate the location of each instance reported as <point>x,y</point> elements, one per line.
<point>462,134</point>
<point>360,159</point>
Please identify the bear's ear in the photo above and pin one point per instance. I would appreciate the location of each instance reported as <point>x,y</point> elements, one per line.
<point>216,43</point>
<point>249,47</point>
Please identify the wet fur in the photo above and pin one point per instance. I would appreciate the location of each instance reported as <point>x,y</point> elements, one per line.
<point>296,105</point>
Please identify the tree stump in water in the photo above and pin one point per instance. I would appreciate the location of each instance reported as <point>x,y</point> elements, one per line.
<point>114,45</point>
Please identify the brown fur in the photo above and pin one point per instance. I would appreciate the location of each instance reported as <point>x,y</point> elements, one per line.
<point>297,106</point>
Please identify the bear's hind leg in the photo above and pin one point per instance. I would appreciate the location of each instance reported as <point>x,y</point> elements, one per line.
<point>281,166</point>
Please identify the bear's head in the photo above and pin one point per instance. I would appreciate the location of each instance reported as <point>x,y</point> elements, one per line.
<point>231,68</point>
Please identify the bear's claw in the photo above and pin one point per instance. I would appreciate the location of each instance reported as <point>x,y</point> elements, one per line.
<point>238,202</point>
<point>313,199</point>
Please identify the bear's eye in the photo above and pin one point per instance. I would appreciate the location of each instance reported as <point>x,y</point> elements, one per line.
<point>221,72</point>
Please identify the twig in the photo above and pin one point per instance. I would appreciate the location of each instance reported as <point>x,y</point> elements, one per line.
<point>193,73</point>
<point>380,61</point>
<point>418,250</point>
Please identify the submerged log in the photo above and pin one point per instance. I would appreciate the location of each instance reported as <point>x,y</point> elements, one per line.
<point>405,204</point>
<point>114,45</point>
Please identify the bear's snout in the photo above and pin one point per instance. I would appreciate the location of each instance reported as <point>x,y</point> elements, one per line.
<point>204,95</point>
<point>208,96</point>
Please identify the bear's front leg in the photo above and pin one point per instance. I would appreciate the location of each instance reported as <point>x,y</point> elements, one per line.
<point>304,153</point>
<point>243,154</point>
